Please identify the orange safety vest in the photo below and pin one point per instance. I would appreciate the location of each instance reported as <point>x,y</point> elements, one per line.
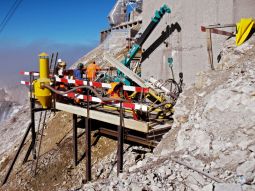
<point>91,71</point>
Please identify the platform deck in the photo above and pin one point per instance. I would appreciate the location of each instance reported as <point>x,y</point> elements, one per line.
<point>105,117</point>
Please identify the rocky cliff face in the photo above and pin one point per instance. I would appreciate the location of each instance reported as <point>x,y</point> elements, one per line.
<point>6,108</point>
<point>14,116</point>
<point>8,105</point>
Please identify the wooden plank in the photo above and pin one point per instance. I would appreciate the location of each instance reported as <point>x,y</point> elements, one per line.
<point>105,117</point>
<point>209,48</point>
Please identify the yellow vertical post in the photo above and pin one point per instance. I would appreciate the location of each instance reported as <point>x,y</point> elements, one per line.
<point>44,65</point>
<point>43,94</point>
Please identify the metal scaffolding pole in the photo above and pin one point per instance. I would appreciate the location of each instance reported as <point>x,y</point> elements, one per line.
<point>75,146</point>
<point>33,127</point>
<point>32,108</point>
<point>88,143</point>
<point>120,143</point>
<point>32,114</point>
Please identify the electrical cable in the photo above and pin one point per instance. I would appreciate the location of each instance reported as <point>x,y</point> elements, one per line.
<point>10,14</point>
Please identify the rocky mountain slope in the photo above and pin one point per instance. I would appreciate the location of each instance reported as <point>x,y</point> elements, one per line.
<point>13,116</point>
<point>8,107</point>
<point>211,146</point>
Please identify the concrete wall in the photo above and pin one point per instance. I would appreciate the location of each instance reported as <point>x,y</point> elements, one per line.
<point>188,47</point>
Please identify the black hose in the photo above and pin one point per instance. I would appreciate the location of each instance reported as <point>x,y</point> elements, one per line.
<point>175,95</point>
<point>84,87</point>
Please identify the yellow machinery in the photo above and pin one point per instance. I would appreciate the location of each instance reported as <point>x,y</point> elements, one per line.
<point>41,93</point>
<point>244,28</point>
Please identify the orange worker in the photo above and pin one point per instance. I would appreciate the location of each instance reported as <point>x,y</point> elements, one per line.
<point>92,71</point>
<point>116,91</point>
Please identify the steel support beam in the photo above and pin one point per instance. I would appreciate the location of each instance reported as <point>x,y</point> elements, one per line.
<point>120,143</point>
<point>28,153</point>
<point>33,133</point>
<point>32,102</point>
<point>88,143</point>
<point>131,138</point>
<point>75,146</point>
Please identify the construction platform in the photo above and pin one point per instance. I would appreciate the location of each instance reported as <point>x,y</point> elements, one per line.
<point>140,132</point>
<point>141,126</point>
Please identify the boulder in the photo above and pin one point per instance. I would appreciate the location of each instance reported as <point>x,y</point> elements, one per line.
<point>227,187</point>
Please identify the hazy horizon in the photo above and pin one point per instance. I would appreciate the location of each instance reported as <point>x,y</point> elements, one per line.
<point>25,58</point>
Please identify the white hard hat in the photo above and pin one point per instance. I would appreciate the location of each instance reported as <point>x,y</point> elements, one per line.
<point>62,64</point>
<point>59,60</point>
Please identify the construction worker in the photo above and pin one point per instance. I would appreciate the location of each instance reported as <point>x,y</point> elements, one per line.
<point>61,67</point>
<point>92,70</point>
<point>116,91</point>
<point>60,72</point>
<point>78,75</point>
<point>78,72</point>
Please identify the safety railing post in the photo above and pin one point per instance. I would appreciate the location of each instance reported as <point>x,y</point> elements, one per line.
<point>75,146</point>
<point>32,107</point>
<point>120,142</point>
<point>88,141</point>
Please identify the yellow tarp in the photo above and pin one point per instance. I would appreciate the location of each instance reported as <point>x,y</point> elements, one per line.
<point>243,30</point>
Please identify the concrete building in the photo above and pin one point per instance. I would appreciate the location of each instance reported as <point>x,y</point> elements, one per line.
<point>188,46</point>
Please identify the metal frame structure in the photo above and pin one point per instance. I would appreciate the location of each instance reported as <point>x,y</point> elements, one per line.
<point>88,141</point>
<point>124,133</point>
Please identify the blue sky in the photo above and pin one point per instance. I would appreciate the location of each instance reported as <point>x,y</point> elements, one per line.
<point>70,27</point>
